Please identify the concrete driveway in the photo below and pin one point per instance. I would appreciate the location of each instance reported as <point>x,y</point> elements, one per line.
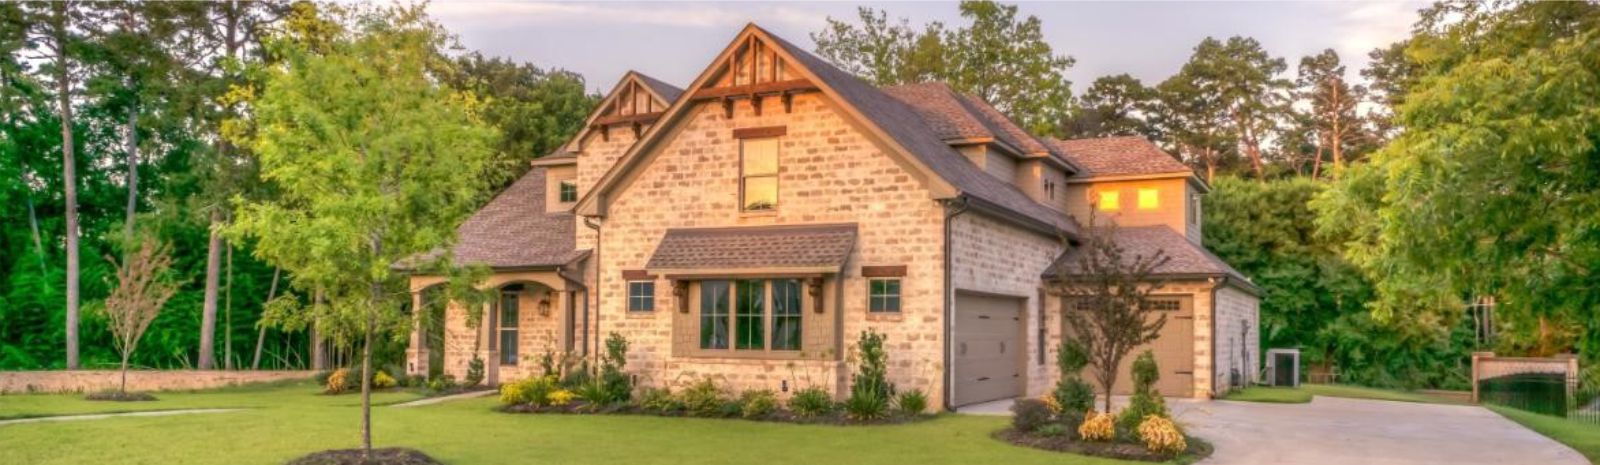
<point>1331,430</point>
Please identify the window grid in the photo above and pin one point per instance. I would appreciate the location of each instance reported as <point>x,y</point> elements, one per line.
<point>738,311</point>
<point>883,296</point>
<point>508,328</point>
<point>714,314</point>
<point>641,296</point>
<point>748,331</point>
<point>568,191</point>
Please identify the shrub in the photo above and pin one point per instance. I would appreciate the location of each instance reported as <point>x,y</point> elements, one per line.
<point>869,391</point>
<point>595,392</point>
<point>474,373</point>
<point>321,378</point>
<point>1097,426</point>
<point>1145,401</point>
<point>704,399</point>
<point>1027,415</point>
<point>535,390</point>
<point>513,394</point>
<point>659,400</point>
<point>1050,401</point>
<point>811,402</point>
<point>547,364</point>
<point>616,385</point>
<point>1072,393</point>
<point>758,404</point>
<point>559,397</point>
<point>1161,435</point>
<point>382,380</point>
<point>865,406</point>
<point>731,408</point>
<point>338,381</point>
<point>1051,430</point>
<point>913,402</point>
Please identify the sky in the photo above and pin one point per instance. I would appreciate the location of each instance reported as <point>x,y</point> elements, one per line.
<point>675,41</point>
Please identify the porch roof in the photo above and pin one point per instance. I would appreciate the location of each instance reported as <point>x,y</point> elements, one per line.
<point>1184,257</point>
<point>785,248</point>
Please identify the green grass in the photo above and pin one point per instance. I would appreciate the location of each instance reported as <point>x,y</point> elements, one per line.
<point>1358,392</point>
<point>1274,395</point>
<point>248,396</point>
<point>288,421</point>
<point>1581,437</point>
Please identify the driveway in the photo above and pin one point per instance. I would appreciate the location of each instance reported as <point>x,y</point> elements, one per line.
<point>1338,431</point>
<point>1331,430</point>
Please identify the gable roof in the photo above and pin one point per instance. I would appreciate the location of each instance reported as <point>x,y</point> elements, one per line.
<point>892,120</point>
<point>807,246</point>
<point>513,231</point>
<point>1184,258</point>
<point>668,93</point>
<point>959,118</point>
<point>662,93</point>
<point>1119,156</point>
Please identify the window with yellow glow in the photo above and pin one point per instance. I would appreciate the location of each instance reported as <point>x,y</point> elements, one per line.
<point>758,180</point>
<point>1109,201</point>
<point>1148,199</point>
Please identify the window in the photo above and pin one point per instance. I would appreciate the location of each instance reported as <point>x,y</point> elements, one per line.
<point>641,296</point>
<point>508,328</point>
<point>1109,201</point>
<point>883,296</point>
<point>1165,305</point>
<point>569,191</point>
<point>758,174</point>
<point>742,311</point>
<point>1194,209</point>
<point>1149,199</point>
<point>1050,189</point>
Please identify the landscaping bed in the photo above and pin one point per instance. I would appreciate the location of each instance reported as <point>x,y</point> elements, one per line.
<point>384,456</point>
<point>120,396</point>
<point>1197,449</point>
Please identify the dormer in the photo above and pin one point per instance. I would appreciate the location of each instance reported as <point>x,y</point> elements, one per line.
<point>1134,183</point>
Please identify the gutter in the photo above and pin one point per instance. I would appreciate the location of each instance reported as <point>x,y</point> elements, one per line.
<point>960,203</point>
<point>598,236</point>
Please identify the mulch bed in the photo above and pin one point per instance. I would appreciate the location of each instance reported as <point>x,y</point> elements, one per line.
<point>118,396</point>
<point>579,407</point>
<point>1198,449</point>
<point>384,456</point>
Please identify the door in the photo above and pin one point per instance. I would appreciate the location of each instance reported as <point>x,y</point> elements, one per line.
<point>989,350</point>
<point>1173,349</point>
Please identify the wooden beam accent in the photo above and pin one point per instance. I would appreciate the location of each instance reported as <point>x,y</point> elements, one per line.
<point>727,107</point>
<point>755,104</point>
<point>788,102</point>
<point>610,120</point>
<point>890,271</point>
<point>755,133</point>
<point>637,275</point>
<point>792,85</point>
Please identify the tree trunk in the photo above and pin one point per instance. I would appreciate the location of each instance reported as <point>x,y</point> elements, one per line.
<point>366,384</point>
<point>69,177</point>
<point>133,175</point>
<point>123,387</point>
<point>319,352</point>
<point>227,313</point>
<point>208,317</point>
<point>261,335</point>
<point>1316,164</point>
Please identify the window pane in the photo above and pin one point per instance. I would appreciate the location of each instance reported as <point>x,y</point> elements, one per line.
<point>748,331</point>
<point>1109,201</point>
<point>714,315</point>
<point>786,314</point>
<point>1148,199</point>
<point>883,295</point>
<point>760,156</point>
<point>508,310</point>
<point>760,193</point>
<point>569,191</point>
<point>641,296</point>
<point>508,346</point>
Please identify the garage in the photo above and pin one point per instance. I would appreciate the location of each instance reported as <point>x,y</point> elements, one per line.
<point>1174,350</point>
<point>989,349</point>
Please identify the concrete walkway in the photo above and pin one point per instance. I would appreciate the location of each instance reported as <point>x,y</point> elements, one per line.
<point>101,416</point>
<point>1330,430</point>
<point>443,399</point>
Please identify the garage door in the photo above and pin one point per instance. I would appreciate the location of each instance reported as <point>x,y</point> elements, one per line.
<point>1174,351</point>
<point>988,348</point>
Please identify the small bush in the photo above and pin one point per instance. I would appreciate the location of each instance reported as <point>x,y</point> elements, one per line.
<point>618,386</point>
<point>704,399</point>
<point>1051,430</point>
<point>338,381</point>
<point>382,380</point>
<point>1161,435</point>
<point>559,397</point>
<point>321,378</point>
<point>913,402</point>
<point>811,402</point>
<point>513,394</point>
<point>866,406</point>
<point>1073,395</point>
<point>535,390</point>
<point>758,404</point>
<point>730,408</point>
<point>1027,415</point>
<point>474,373</point>
<point>442,383</point>
<point>659,400</point>
<point>595,392</point>
<point>1145,401</point>
<point>1097,427</point>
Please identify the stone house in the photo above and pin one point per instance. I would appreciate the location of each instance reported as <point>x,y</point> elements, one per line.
<point>751,226</point>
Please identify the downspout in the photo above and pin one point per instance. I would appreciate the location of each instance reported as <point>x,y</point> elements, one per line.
<point>959,205</point>
<point>598,235</point>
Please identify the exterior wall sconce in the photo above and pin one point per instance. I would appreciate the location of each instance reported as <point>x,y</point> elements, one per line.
<point>544,305</point>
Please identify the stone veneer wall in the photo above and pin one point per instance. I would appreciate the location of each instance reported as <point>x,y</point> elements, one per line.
<point>1237,312</point>
<point>829,172</point>
<point>16,382</point>
<point>1000,258</point>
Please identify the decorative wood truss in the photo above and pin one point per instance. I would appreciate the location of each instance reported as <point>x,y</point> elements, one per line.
<point>753,72</point>
<point>631,104</point>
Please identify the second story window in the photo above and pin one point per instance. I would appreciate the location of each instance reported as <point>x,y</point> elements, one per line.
<point>568,191</point>
<point>758,174</point>
<point>1109,201</point>
<point>1149,199</point>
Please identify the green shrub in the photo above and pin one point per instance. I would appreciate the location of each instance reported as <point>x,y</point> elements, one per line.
<point>382,380</point>
<point>758,404</point>
<point>659,400</point>
<point>866,407</point>
<point>811,402</point>
<point>731,408</point>
<point>1027,415</point>
<point>869,391</point>
<point>547,364</point>
<point>617,385</point>
<point>321,378</point>
<point>474,373</point>
<point>535,390</point>
<point>595,392</point>
<point>704,399</point>
<point>912,403</point>
<point>1052,430</point>
<point>1145,401</point>
<point>1072,394</point>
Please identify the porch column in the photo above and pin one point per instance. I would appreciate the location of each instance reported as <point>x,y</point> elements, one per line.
<point>417,351</point>
<point>491,353</point>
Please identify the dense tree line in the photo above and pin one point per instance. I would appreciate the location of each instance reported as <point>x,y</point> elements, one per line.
<point>1459,166</point>
<point>120,121</point>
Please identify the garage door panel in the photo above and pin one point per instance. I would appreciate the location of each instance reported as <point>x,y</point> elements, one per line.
<point>988,347</point>
<point>1174,350</point>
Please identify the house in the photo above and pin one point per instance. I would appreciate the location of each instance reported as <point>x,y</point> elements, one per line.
<point>751,226</point>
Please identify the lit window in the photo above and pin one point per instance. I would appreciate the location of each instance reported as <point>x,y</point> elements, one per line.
<point>569,191</point>
<point>641,296</point>
<point>1148,199</point>
<point>1194,209</point>
<point>883,296</point>
<point>758,182</point>
<point>1108,201</point>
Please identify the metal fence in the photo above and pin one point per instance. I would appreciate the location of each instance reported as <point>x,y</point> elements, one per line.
<point>1535,386</point>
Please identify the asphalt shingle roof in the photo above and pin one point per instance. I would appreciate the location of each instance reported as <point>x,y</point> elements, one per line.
<point>807,246</point>
<point>514,231</point>
<point>1116,156</point>
<point>1183,257</point>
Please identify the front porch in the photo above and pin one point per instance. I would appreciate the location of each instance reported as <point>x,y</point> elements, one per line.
<point>533,313</point>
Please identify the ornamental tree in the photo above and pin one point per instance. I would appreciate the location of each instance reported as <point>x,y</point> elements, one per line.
<point>138,297</point>
<point>373,159</point>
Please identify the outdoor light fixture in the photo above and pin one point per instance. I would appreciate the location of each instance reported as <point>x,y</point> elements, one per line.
<point>544,305</point>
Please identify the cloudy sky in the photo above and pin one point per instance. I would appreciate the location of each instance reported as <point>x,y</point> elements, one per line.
<point>675,41</point>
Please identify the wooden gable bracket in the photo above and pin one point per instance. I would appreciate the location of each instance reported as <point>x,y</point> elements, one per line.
<point>814,287</point>
<point>605,132</point>
<point>637,129</point>
<point>755,103</point>
<point>680,295</point>
<point>727,107</point>
<point>788,101</point>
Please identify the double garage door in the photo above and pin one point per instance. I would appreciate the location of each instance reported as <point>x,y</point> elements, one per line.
<point>990,349</point>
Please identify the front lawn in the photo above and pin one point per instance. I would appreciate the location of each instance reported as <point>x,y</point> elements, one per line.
<point>286,421</point>
<point>1581,437</point>
<point>1274,395</point>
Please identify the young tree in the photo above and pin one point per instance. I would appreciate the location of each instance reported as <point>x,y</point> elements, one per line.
<point>140,293</point>
<point>1109,293</point>
<point>374,160</point>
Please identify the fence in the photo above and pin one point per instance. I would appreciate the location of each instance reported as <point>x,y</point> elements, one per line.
<point>1541,385</point>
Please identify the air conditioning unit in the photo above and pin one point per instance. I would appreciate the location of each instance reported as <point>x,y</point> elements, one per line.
<point>1283,367</point>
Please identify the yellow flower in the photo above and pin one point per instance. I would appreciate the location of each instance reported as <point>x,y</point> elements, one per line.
<point>560,397</point>
<point>1162,435</point>
<point>1050,401</point>
<point>1097,426</point>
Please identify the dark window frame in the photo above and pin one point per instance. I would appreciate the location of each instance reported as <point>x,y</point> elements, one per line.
<point>886,298</point>
<point>514,312</point>
<point>756,323</point>
<point>567,191</point>
<point>641,296</point>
